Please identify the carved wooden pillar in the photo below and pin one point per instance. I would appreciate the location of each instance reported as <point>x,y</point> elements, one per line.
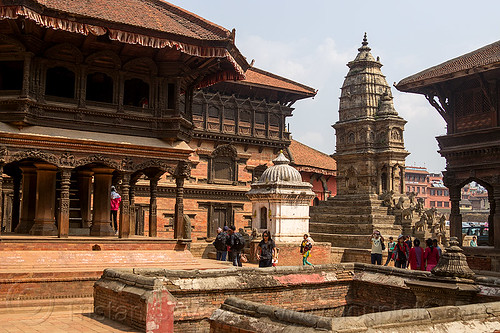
<point>84,181</point>
<point>28,201</point>
<point>121,90</point>
<point>102,202</point>
<point>133,226</point>
<point>82,92</point>
<point>45,200</point>
<point>491,224</point>
<point>1,198</point>
<point>455,216</point>
<point>16,200</point>
<point>63,217</point>
<point>26,75</point>
<point>181,231</point>
<point>496,218</point>
<point>124,228</point>
<point>153,222</point>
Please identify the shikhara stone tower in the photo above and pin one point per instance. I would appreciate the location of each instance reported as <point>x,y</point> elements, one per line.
<point>370,150</point>
<point>370,159</point>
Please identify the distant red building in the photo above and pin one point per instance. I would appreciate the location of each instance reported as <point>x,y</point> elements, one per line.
<point>316,167</point>
<point>428,186</point>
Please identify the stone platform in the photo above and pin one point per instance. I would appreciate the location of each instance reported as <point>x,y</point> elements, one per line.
<point>44,269</point>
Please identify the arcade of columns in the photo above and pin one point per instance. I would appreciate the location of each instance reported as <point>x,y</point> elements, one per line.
<point>34,176</point>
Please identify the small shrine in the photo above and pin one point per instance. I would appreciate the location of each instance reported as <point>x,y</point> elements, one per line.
<point>280,202</point>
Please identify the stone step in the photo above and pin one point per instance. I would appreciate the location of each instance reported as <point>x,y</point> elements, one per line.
<point>342,240</point>
<point>341,228</point>
<point>350,219</point>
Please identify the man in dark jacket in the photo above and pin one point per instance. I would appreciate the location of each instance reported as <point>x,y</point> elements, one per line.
<point>220,243</point>
<point>236,245</point>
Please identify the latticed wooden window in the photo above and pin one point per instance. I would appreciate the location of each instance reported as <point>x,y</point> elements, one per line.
<point>263,218</point>
<point>222,168</point>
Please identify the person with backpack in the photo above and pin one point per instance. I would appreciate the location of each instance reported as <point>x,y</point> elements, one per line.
<point>220,244</point>
<point>236,245</point>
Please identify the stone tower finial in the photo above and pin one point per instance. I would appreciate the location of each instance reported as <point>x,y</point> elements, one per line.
<point>364,45</point>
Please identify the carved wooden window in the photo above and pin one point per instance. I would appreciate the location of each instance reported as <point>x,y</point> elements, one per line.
<point>229,113</point>
<point>263,218</point>
<point>60,82</point>
<point>11,75</point>
<point>222,166</point>
<point>99,87</point>
<point>197,109</point>
<point>275,121</point>
<point>246,116</point>
<point>260,118</point>
<point>213,112</point>
<point>136,93</point>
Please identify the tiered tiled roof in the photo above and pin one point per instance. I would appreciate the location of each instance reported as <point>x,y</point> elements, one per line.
<point>480,59</point>
<point>150,23</point>
<point>305,158</point>
<point>256,76</point>
<point>150,14</point>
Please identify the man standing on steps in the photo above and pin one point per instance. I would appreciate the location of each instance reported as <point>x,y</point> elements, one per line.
<point>115,205</point>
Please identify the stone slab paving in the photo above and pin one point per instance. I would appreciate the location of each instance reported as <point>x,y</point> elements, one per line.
<point>72,318</point>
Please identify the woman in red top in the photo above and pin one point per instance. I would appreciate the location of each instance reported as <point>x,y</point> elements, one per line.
<point>431,255</point>
<point>416,256</point>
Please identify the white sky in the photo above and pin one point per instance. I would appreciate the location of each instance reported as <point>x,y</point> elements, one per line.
<point>311,41</point>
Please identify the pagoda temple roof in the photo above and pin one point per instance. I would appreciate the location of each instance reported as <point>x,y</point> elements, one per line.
<point>305,158</point>
<point>150,23</point>
<point>256,76</point>
<point>479,60</point>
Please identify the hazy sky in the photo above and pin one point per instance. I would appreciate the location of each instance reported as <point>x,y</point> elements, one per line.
<point>311,41</point>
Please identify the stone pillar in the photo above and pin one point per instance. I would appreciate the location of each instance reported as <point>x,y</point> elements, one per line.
<point>390,177</point>
<point>455,216</point>
<point>153,222</point>
<point>84,181</point>
<point>26,74</point>
<point>28,201</point>
<point>45,200</point>
<point>102,202</point>
<point>124,227</point>
<point>63,215</point>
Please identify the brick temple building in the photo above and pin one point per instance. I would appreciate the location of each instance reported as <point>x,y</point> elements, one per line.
<point>240,126</point>
<point>465,92</point>
<point>92,96</point>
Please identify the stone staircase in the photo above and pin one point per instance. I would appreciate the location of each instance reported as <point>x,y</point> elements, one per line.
<point>348,221</point>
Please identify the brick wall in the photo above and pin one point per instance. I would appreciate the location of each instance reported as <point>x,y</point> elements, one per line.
<point>330,290</point>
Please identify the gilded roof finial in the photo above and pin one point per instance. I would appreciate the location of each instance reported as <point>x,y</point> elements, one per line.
<point>365,40</point>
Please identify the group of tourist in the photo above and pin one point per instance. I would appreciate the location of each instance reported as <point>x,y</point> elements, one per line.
<point>229,242</point>
<point>405,253</point>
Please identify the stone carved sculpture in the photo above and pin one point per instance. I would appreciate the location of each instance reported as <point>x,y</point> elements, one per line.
<point>442,224</point>
<point>407,213</point>
<point>421,224</point>
<point>419,207</point>
<point>430,214</point>
<point>387,198</point>
<point>401,203</point>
